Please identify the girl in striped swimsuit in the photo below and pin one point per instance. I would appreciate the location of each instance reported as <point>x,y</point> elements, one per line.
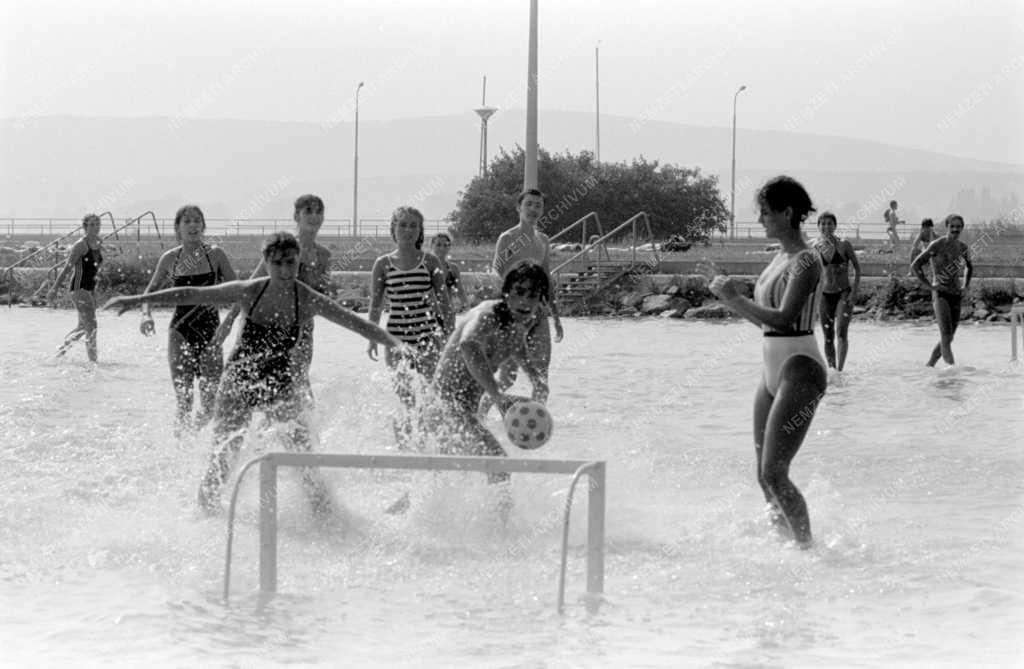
<point>413,282</point>
<point>83,264</point>
<point>794,379</point>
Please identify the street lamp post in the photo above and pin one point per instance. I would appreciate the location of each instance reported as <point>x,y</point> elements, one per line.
<point>732,189</point>
<point>597,102</point>
<point>355,171</point>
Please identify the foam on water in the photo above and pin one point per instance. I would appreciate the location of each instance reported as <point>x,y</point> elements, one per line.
<point>912,475</point>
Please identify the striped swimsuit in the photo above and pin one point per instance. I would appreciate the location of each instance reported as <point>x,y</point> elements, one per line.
<point>781,345</point>
<point>411,316</point>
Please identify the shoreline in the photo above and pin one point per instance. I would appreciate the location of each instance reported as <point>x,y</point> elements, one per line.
<point>681,296</point>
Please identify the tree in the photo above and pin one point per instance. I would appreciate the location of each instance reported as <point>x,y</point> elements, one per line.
<point>678,201</point>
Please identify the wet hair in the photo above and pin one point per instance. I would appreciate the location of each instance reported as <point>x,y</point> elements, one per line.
<point>531,274</point>
<point>927,223</point>
<point>784,191</point>
<point>89,217</point>
<point>186,210</point>
<point>303,201</point>
<point>893,203</point>
<point>529,191</point>
<point>827,214</point>
<point>402,211</point>
<point>278,244</point>
<point>954,217</point>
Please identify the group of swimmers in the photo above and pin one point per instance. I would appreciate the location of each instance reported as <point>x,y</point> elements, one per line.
<point>470,363</point>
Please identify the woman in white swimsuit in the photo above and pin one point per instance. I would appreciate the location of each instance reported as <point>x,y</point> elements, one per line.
<point>794,380</point>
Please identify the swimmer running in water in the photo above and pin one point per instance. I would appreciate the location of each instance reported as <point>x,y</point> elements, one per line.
<point>83,264</point>
<point>264,371</point>
<point>837,294</point>
<point>191,350</point>
<point>794,377</point>
<point>946,254</point>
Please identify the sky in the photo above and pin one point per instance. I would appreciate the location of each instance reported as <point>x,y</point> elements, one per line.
<point>938,75</point>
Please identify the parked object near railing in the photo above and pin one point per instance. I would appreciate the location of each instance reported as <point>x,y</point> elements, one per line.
<point>269,463</point>
<point>582,276</point>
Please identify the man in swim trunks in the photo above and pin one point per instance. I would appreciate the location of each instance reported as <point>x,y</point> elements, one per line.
<point>493,332</point>
<point>946,254</point>
<point>892,219</point>
<point>837,295</point>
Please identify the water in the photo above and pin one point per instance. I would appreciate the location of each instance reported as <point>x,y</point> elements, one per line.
<point>913,477</point>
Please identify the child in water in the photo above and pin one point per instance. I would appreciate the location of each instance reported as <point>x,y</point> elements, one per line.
<point>265,371</point>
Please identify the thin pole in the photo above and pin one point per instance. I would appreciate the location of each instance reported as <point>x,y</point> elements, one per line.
<point>530,176</point>
<point>597,103</point>
<point>732,188</point>
<point>355,172</point>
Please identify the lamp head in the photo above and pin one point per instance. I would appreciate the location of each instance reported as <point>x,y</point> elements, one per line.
<point>742,88</point>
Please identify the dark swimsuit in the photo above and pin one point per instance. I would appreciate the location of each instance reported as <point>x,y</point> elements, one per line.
<point>85,273</point>
<point>832,299</point>
<point>262,364</point>
<point>195,323</point>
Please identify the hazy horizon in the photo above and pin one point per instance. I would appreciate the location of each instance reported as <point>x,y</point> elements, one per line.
<point>939,76</point>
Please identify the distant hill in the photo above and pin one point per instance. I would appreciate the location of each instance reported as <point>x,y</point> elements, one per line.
<point>64,166</point>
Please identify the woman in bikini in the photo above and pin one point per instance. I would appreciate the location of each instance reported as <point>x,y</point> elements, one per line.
<point>264,371</point>
<point>413,283</point>
<point>191,350</point>
<point>837,295</point>
<point>83,264</point>
<point>794,377</point>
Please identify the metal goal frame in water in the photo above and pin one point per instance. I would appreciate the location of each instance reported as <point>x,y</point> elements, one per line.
<point>270,462</point>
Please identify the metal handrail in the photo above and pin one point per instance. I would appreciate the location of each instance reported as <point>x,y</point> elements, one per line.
<point>584,238</point>
<point>1016,320</point>
<point>631,221</point>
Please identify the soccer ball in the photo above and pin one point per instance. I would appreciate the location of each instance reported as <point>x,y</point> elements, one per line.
<point>528,424</point>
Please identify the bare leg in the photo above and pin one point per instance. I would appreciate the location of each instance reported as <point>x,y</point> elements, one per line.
<point>183,374</point>
<point>828,330</point>
<point>844,313</point>
<point>211,366</point>
<point>231,415</point>
<point>947,322</point>
<point>802,385</point>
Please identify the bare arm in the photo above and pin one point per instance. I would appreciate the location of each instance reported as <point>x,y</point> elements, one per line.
<point>163,269</point>
<point>500,249</point>
<point>229,319</point>
<point>917,267</point>
<point>968,267</point>
<point>803,280</point>
<point>225,293</point>
<point>437,281</point>
<point>324,306</point>
<point>852,255</point>
<point>74,257</point>
<point>376,299</point>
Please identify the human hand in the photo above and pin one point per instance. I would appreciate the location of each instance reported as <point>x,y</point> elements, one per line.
<point>504,402</point>
<point>371,350</point>
<point>221,333</point>
<point>559,332</point>
<point>723,287</point>
<point>146,327</point>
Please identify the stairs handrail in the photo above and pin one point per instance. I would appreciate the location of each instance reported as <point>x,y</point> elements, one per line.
<point>631,221</point>
<point>54,242</point>
<point>584,237</point>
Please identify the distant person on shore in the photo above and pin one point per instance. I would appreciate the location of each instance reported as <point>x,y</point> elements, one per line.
<point>519,243</point>
<point>946,254</point>
<point>892,219</point>
<point>440,246</point>
<point>191,350</point>
<point>837,294</point>
<point>923,238</point>
<point>264,372</point>
<point>412,282</point>
<point>794,377</point>
<point>83,264</point>
<point>314,271</point>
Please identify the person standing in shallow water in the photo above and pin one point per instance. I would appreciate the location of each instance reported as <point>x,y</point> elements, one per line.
<point>946,254</point>
<point>83,264</point>
<point>837,295</point>
<point>794,378</point>
<point>265,370</point>
<point>191,351</point>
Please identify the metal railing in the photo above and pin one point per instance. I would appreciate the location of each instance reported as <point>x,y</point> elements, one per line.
<point>650,246</point>
<point>220,227</point>
<point>1016,320</point>
<point>270,462</point>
